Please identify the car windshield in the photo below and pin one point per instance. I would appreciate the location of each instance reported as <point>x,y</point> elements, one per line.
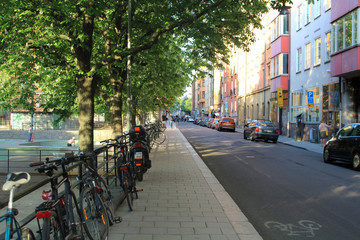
<point>266,124</point>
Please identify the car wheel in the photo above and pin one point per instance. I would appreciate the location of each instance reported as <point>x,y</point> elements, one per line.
<point>251,137</point>
<point>274,140</point>
<point>356,162</point>
<point>326,155</point>
<point>245,136</point>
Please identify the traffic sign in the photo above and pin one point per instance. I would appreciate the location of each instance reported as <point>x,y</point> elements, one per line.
<point>280,97</point>
<point>310,96</point>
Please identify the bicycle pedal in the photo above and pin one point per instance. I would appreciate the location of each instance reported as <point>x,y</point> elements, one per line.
<point>139,190</point>
<point>117,219</point>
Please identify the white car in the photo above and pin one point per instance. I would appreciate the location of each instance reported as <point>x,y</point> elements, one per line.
<point>190,119</point>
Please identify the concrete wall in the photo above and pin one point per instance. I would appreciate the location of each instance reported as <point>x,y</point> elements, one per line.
<point>53,135</point>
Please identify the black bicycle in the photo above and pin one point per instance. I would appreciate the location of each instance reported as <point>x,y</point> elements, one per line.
<point>60,213</point>
<point>124,168</point>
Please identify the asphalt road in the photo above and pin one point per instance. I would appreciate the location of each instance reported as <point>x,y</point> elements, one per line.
<point>285,192</point>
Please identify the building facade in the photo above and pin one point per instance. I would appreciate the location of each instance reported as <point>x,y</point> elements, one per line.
<point>303,68</point>
<point>344,97</point>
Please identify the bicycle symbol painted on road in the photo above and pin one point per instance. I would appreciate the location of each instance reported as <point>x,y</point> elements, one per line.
<point>304,227</point>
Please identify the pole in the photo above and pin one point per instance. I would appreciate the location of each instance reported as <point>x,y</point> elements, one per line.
<point>128,100</point>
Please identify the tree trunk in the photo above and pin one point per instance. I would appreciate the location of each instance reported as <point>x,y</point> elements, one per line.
<point>85,95</point>
<point>116,107</point>
<point>86,85</point>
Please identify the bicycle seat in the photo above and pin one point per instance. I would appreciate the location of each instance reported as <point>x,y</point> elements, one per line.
<point>15,179</point>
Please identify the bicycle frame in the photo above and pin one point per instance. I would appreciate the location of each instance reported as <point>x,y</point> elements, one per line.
<point>57,200</point>
<point>13,180</point>
<point>10,219</point>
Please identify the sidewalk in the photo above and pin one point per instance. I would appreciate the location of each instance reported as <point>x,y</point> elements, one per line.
<point>181,200</point>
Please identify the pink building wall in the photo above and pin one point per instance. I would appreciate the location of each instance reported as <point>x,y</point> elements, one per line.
<point>280,45</point>
<point>345,62</point>
<point>340,7</point>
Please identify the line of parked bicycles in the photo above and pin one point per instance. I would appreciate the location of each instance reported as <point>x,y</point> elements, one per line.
<point>66,214</point>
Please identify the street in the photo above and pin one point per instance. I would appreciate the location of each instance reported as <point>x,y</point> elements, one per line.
<point>285,192</point>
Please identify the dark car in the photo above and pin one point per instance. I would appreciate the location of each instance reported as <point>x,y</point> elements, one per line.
<point>261,129</point>
<point>197,120</point>
<point>344,146</point>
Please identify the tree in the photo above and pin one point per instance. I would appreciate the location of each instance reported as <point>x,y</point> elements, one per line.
<point>72,49</point>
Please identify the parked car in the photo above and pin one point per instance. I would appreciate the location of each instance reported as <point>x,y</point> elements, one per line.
<point>204,122</point>
<point>226,123</point>
<point>214,123</point>
<point>208,124</point>
<point>344,146</point>
<point>190,119</point>
<point>197,120</point>
<point>261,129</point>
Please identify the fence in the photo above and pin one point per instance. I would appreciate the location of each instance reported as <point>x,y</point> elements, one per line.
<point>20,159</point>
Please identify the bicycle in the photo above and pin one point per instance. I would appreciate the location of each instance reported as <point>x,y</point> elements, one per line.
<point>124,169</point>
<point>61,215</point>
<point>156,133</point>
<point>14,180</point>
<point>95,201</point>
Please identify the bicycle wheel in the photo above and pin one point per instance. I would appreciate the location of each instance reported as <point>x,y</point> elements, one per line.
<point>107,199</point>
<point>27,234</point>
<point>75,225</point>
<point>96,221</point>
<point>128,190</point>
<point>161,137</point>
<point>51,228</point>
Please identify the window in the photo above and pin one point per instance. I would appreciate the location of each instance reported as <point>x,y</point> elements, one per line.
<point>312,114</point>
<point>331,97</point>
<point>348,30</point>
<point>317,10</point>
<point>356,131</point>
<point>308,56</point>
<point>328,44</point>
<point>299,17</point>
<point>203,83</point>
<point>279,65</point>
<point>294,112</point>
<point>345,131</point>
<point>296,105</point>
<point>280,26</point>
<point>296,98</point>
<point>308,13</point>
<point>317,51</point>
<point>328,4</point>
<point>203,94</point>
<point>345,31</point>
<point>298,59</point>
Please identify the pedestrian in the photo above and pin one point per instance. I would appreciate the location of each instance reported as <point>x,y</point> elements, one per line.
<point>163,118</point>
<point>71,142</point>
<point>171,121</point>
<point>177,119</point>
<point>30,133</point>
<point>324,132</point>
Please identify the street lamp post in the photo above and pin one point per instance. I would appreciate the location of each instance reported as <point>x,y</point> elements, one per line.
<point>128,100</point>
